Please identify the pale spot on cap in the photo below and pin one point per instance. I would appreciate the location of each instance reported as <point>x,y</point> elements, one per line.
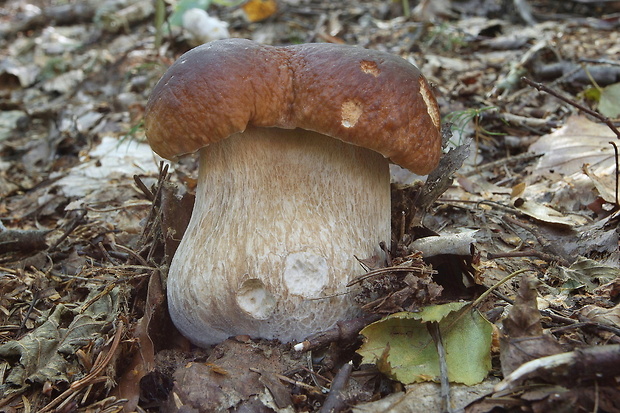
<point>370,67</point>
<point>431,106</point>
<point>351,112</point>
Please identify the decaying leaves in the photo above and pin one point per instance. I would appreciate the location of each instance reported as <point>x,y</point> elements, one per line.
<point>523,338</point>
<point>236,375</point>
<point>587,273</point>
<point>406,286</point>
<point>47,354</point>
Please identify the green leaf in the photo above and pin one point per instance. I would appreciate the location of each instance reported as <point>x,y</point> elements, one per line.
<point>403,349</point>
<point>609,105</point>
<point>592,93</point>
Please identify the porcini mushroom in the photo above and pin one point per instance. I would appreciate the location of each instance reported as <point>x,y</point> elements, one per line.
<point>293,178</point>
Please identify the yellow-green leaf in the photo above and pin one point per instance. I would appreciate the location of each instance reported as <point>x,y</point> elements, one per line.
<point>406,352</point>
<point>609,104</point>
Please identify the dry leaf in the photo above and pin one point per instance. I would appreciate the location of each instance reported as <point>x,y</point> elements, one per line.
<point>523,338</point>
<point>257,10</point>
<point>606,316</point>
<point>45,354</point>
<point>580,141</point>
<point>547,214</point>
<point>144,359</point>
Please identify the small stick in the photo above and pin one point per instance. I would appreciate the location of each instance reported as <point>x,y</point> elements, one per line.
<point>604,119</point>
<point>336,400</point>
<point>547,245</point>
<point>504,280</point>
<point>387,270</point>
<point>598,362</point>
<point>524,157</point>
<point>289,380</point>
<point>72,226</point>
<point>33,303</point>
<point>617,169</point>
<point>433,330</point>
<point>344,330</point>
<point>530,252</point>
<point>22,240</point>
<point>313,375</point>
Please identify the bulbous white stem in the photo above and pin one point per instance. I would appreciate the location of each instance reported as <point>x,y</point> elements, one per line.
<point>280,216</point>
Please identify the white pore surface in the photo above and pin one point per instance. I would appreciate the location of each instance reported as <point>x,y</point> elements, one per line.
<point>280,216</point>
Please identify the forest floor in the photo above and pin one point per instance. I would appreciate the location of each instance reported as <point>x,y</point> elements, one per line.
<point>528,217</point>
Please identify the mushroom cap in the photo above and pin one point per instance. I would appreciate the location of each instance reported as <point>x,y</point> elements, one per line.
<point>364,97</point>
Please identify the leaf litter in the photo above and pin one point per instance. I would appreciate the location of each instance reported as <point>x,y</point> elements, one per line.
<point>73,83</point>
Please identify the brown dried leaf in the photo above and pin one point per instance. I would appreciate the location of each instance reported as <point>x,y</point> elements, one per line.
<point>580,141</point>
<point>176,212</point>
<point>405,287</point>
<point>606,316</point>
<point>523,338</point>
<point>203,387</point>
<point>144,359</point>
<point>524,318</point>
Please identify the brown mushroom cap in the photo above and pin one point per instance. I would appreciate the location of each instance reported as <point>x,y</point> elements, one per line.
<point>364,97</point>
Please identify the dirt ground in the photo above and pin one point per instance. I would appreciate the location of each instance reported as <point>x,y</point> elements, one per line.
<point>517,228</point>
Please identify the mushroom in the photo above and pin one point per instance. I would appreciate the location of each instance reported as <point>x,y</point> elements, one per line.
<point>293,178</point>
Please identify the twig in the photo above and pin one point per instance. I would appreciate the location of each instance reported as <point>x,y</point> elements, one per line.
<point>145,190</point>
<point>388,270</point>
<point>433,330</point>
<point>504,280</point>
<point>106,290</point>
<point>105,253</point>
<point>598,326</point>
<point>153,228</point>
<point>525,121</point>
<point>289,380</point>
<point>604,119</point>
<point>558,318</point>
<point>33,303</point>
<point>20,240</point>
<point>336,400</point>
<point>593,362</point>
<point>600,61</point>
<point>617,169</point>
<point>492,204</point>
<point>524,157</point>
<point>344,330</point>
<point>134,254</point>
<point>530,252</point>
<point>72,226</point>
<point>314,375</point>
<point>547,245</point>
<point>135,204</point>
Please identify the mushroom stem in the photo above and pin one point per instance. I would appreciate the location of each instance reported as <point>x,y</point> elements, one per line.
<point>270,257</point>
